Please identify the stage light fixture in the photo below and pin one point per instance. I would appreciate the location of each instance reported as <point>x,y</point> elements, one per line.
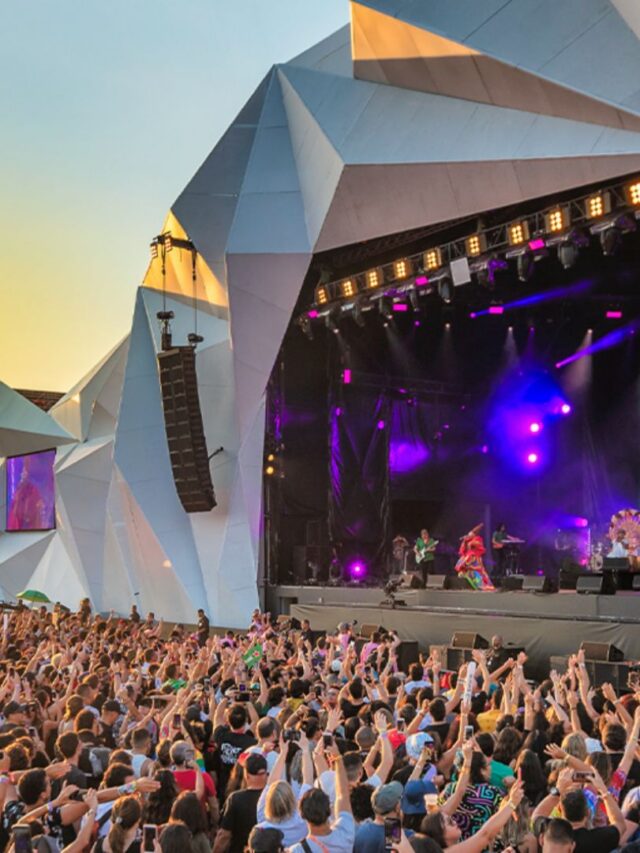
<point>567,254</point>
<point>153,246</point>
<point>357,570</point>
<point>271,457</point>
<point>432,259</point>
<point>495,265</point>
<point>475,245</point>
<point>385,307</point>
<point>270,470</point>
<point>401,269</point>
<point>533,458</point>
<point>565,409</point>
<point>346,376</point>
<point>348,287</point>
<point>526,266</point>
<point>614,314</point>
<point>414,299</point>
<point>518,233</point>
<point>374,278</point>
<point>359,305</point>
<point>597,205</point>
<point>633,193</point>
<point>332,319</point>
<point>557,220</point>
<point>168,241</point>
<point>322,297</point>
<point>535,427</point>
<point>610,241</point>
<point>445,289</point>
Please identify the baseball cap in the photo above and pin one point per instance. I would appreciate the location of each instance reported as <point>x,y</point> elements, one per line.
<point>255,763</point>
<point>416,742</point>
<point>413,796</point>
<point>386,797</point>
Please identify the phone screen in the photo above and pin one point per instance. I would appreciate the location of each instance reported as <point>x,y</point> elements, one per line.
<point>176,721</point>
<point>468,732</point>
<point>392,831</point>
<point>22,839</point>
<point>149,835</point>
<point>400,724</point>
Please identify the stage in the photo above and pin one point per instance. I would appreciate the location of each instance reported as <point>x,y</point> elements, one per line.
<point>546,624</point>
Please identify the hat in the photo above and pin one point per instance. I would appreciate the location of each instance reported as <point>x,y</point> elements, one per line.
<point>386,797</point>
<point>13,708</point>
<point>416,742</point>
<point>413,797</point>
<point>255,763</point>
<point>265,839</point>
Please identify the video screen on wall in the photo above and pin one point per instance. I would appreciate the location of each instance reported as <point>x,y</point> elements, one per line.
<point>31,492</point>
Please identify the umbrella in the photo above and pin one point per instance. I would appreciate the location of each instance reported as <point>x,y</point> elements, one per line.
<point>34,595</point>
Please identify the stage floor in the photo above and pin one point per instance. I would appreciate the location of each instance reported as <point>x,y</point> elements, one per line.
<point>553,624</point>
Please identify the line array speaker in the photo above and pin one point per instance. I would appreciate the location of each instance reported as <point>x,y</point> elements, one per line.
<point>468,640</point>
<point>185,432</point>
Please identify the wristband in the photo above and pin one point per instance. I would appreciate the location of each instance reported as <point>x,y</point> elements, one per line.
<point>129,788</point>
<point>50,807</point>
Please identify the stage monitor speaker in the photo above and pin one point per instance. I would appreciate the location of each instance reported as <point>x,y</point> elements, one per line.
<point>436,581</point>
<point>512,583</point>
<point>602,652</point>
<point>538,583</point>
<point>468,640</point>
<point>407,653</point>
<point>185,432</point>
<point>600,584</point>
<point>367,631</point>
<point>412,580</point>
<point>454,582</point>
<point>635,582</point>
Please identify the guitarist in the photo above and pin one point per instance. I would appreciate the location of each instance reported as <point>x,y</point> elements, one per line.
<point>425,549</point>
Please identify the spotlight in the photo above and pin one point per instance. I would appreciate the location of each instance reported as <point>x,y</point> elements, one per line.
<point>535,427</point>
<point>380,424</point>
<point>348,287</point>
<point>495,309</point>
<point>613,314</point>
<point>322,297</point>
<point>610,241</point>
<point>445,289</point>
<point>153,246</point>
<point>518,233</point>
<point>432,259</point>
<point>167,240</point>
<point>306,328</point>
<point>557,220</point>
<point>565,408</point>
<point>476,244</point>
<point>533,458</point>
<point>374,278</point>
<point>269,470</point>
<point>358,309</point>
<point>597,205</point>
<point>400,306</point>
<point>526,266</point>
<point>357,570</point>
<point>568,254</point>
<point>385,307</point>
<point>332,319</point>
<point>401,269</point>
<point>346,376</point>
<point>271,457</point>
<point>633,193</point>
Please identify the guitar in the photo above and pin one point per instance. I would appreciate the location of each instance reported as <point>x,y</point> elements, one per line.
<point>421,551</point>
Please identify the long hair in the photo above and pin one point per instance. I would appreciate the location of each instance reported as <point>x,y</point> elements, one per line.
<point>158,807</point>
<point>187,810</point>
<point>176,838</point>
<point>280,803</point>
<point>125,814</point>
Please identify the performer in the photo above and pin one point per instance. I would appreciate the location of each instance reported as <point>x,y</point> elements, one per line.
<point>499,553</point>
<point>619,548</point>
<point>399,546</point>
<point>470,565</point>
<point>425,549</point>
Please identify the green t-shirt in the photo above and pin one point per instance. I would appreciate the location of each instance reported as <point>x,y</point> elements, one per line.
<point>425,556</point>
<point>500,772</point>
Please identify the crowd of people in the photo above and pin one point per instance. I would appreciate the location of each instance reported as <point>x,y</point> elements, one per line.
<point>122,736</point>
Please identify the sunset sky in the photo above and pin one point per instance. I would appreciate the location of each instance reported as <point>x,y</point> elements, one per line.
<point>108,109</point>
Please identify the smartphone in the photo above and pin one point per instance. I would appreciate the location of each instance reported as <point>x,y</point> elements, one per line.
<point>392,832</point>
<point>177,719</point>
<point>327,741</point>
<point>468,733</point>
<point>400,724</point>
<point>33,731</point>
<point>22,839</point>
<point>244,697</point>
<point>207,684</point>
<point>149,835</point>
<point>318,692</point>
<point>242,688</point>
<point>582,775</point>
<point>290,735</point>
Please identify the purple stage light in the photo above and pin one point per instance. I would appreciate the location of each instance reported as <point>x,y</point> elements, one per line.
<point>400,306</point>
<point>338,411</point>
<point>357,570</point>
<point>533,458</point>
<point>380,424</point>
<point>613,315</point>
<point>496,309</point>
<point>473,315</point>
<point>565,408</point>
<point>536,245</point>
<point>417,323</point>
<point>421,280</point>
<point>312,314</point>
<point>484,449</point>
<point>535,427</point>
<point>346,376</point>
<point>540,573</point>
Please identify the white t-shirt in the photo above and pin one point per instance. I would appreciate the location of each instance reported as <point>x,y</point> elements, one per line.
<point>294,829</point>
<point>327,781</point>
<point>411,686</point>
<point>339,840</point>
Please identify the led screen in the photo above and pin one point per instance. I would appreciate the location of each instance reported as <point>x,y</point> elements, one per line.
<point>31,492</point>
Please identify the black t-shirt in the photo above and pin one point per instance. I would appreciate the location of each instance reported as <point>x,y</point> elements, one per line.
<point>107,736</point>
<point>600,840</point>
<point>441,729</point>
<point>634,770</point>
<point>229,745</point>
<point>349,709</point>
<point>240,816</point>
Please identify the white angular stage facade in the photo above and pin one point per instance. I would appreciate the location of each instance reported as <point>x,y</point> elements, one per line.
<point>418,112</point>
